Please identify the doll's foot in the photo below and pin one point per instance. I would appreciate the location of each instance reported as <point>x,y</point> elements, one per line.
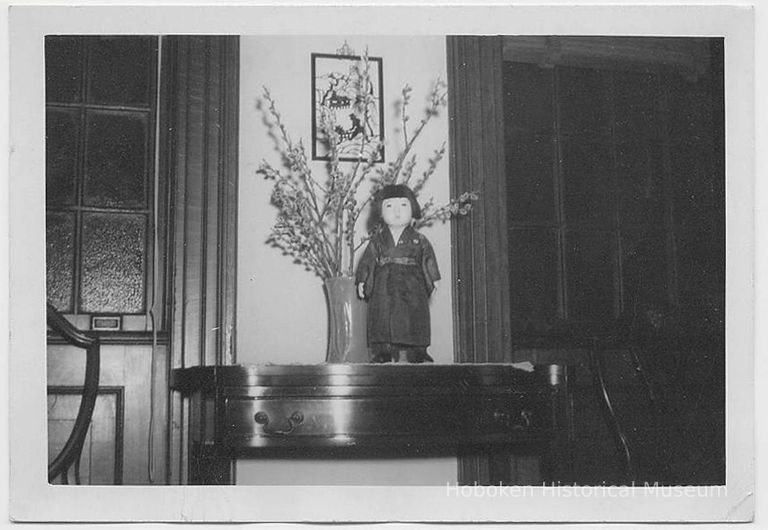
<point>415,356</point>
<point>383,357</point>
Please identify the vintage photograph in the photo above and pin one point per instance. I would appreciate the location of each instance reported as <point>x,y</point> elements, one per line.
<point>604,180</point>
<point>491,260</point>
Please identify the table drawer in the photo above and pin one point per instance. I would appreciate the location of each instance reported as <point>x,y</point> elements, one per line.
<point>255,422</point>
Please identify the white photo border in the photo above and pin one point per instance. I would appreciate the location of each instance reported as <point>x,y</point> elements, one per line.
<point>33,499</point>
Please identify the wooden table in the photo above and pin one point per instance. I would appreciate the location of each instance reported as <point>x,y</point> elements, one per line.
<point>254,411</point>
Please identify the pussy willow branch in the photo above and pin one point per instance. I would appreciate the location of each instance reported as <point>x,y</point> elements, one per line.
<point>297,162</point>
<point>404,112</point>
<point>437,100</point>
<point>317,221</point>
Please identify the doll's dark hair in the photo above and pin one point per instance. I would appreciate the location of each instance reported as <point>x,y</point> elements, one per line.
<point>394,191</point>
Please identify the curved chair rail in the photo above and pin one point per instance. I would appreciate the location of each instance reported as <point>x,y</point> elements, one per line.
<point>70,453</point>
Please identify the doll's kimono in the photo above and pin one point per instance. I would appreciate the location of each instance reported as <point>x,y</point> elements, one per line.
<point>398,278</point>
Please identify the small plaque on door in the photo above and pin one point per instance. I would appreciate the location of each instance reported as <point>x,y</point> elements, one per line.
<point>106,323</point>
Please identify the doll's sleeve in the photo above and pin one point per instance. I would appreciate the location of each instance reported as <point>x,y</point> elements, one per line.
<point>366,269</point>
<point>429,265</point>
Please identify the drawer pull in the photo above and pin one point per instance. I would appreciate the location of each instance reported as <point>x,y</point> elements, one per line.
<point>280,426</point>
<point>522,421</point>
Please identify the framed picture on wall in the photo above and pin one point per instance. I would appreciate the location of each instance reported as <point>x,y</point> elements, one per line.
<point>337,99</point>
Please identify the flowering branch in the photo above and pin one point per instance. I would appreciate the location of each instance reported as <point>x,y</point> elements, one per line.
<point>317,219</point>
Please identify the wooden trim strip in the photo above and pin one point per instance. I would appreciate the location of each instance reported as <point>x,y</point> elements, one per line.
<point>204,125</point>
<point>479,241</point>
<point>117,338</point>
<point>480,260</point>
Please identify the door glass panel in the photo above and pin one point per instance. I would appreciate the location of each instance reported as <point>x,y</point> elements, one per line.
<point>63,80</point>
<point>114,263</point>
<point>61,133</point>
<point>100,96</point>
<point>116,160</point>
<point>60,258</point>
<point>120,70</point>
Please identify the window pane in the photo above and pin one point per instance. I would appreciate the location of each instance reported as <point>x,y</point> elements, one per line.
<point>691,109</point>
<point>114,263</point>
<point>589,193</point>
<point>116,160</point>
<point>590,275</point>
<point>62,69</point>
<point>119,70</point>
<point>641,179</point>
<point>530,189</point>
<point>694,178</point>
<point>644,266</point>
<point>635,106</point>
<point>62,130</point>
<point>60,258</point>
<point>533,275</point>
<point>701,271</point>
<point>528,98</point>
<point>584,101</point>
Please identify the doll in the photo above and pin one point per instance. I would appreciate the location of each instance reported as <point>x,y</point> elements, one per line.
<point>396,275</point>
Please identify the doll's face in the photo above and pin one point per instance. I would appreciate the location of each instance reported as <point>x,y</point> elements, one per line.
<point>396,212</point>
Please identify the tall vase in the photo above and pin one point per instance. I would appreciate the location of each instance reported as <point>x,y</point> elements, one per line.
<point>347,331</point>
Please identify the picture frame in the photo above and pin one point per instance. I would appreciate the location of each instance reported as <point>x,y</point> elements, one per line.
<point>360,131</point>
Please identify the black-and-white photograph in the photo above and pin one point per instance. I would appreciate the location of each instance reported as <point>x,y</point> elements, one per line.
<point>506,274</point>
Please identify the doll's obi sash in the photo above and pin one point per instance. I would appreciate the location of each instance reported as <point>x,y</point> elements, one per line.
<point>397,261</point>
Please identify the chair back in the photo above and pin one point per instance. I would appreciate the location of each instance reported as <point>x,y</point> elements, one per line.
<point>69,456</point>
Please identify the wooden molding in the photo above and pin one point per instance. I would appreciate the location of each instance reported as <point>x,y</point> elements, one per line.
<point>686,55</point>
<point>108,338</point>
<point>479,241</point>
<point>202,125</point>
<point>202,88</point>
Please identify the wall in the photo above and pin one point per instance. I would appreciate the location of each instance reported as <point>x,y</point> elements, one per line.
<point>281,316</point>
